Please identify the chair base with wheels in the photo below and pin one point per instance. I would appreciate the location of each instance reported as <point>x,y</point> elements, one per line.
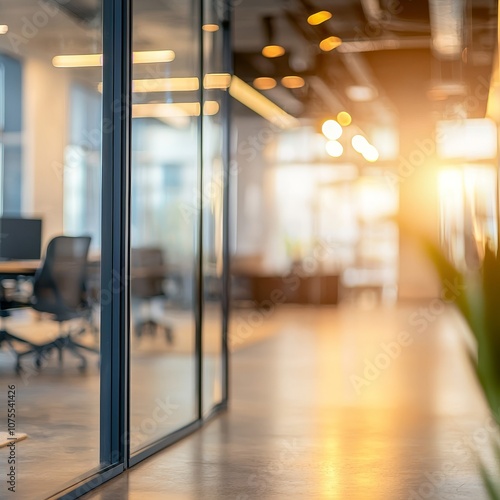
<point>60,290</point>
<point>5,336</point>
<point>8,338</point>
<point>42,352</point>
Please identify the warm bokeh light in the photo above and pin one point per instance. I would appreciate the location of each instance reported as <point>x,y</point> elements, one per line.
<point>473,139</point>
<point>153,56</point>
<point>170,109</point>
<point>370,153</point>
<point>292,82</point>
<point>319,17</point>
<point>166,85</point>
<point>211,28</point>
<point>375,200</point>
<point>216,81</point>
<point>330,43</point>
<point>331,129</point>
<point>258,103</point>
<point>3,29</point>
<point>359,143</point>
<point>77,61</point>
<point>272,51</point>
<point>165,109</point>
<point>344,118</point>
<point>361,93</point>
<point>334,148</point>
<point>264,83</point>
<point>210,108</point>
<point>92,60</point>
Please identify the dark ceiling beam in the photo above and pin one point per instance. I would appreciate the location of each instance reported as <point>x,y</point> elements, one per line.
<point>389,21</point>
<point>352,61</point>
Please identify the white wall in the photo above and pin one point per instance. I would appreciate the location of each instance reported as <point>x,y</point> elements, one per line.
<point>252,213</point>
<point>45,115</point>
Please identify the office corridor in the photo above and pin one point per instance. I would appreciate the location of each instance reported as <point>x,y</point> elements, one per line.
<point>338,404</point>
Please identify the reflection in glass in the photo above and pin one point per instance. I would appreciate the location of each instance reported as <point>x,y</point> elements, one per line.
<point>468,205</point>
<point>50,170</point>
<point>164,220</point>
<point>215,82</point>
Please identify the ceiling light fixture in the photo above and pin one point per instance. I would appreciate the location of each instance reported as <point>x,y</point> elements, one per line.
<point>77,61</point>
<point>330,43</point>
<point>216,81</point>
<point>334,148</point>
<point>173,109</point>
<point>94,60</point>
<point>319,17</point>
<point>260,104</point>
<point>165,109</point>
<point>180,84</point>
<point>293,82</point>
<point>264,83</point>
<point>210,28</point>
<point>361,93</point>
<point>331,129</point>
<point>359,143</point>
<point>166,85</point>
<point>272,51</point>
<point>370,153</point>
<point>153,56</point>
<point>210,108</point>
<point>344,118</point>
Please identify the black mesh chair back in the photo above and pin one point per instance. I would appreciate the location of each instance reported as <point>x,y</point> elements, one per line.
<point>148,272</point>
<point>59,285</point>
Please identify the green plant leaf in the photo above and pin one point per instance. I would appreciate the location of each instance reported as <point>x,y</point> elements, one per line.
<point>490,485</point>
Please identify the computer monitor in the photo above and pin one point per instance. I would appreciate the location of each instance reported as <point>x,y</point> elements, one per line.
<point>20,239</point>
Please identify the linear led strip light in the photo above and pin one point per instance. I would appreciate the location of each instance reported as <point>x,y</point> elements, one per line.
<point>173,110</point>
<point>238,89</point>
<point>260,104</point>
<point>186,84</point>
<point>211,81</point>
<point>93,60</point>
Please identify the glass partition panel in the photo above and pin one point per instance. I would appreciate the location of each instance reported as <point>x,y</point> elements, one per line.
<point>50,191</point>
<point>164,217</point>
<point>215,83</point>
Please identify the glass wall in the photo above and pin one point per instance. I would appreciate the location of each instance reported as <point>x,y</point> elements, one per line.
<point>215,82</point>
<point>165,227</point>
<point>111,234</point>
<point>50,174</point>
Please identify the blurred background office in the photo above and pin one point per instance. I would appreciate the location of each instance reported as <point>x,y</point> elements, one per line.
<point>315,154</point>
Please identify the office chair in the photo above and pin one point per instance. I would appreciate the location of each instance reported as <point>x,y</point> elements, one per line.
<point>59,289</point>
<point>148,278</point>
<point>5,336</point>
<point>11,298</point>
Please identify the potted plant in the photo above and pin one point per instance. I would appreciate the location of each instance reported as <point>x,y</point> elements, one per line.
<point>479,304</point>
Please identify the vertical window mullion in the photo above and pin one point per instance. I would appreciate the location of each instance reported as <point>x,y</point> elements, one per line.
<point>115,232</point>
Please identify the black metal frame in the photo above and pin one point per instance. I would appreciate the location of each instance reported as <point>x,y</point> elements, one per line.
<point>115,454</point>
<point>226,161</point>
<point>115,265</point>
<point>199,256</point>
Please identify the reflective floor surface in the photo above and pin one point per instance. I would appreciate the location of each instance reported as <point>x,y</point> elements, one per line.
<point>58,406</point>
<point>336,404</point>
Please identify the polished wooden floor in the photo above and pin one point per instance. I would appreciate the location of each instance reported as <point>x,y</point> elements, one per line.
<point>58,406</point>
<point>344,403</point>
